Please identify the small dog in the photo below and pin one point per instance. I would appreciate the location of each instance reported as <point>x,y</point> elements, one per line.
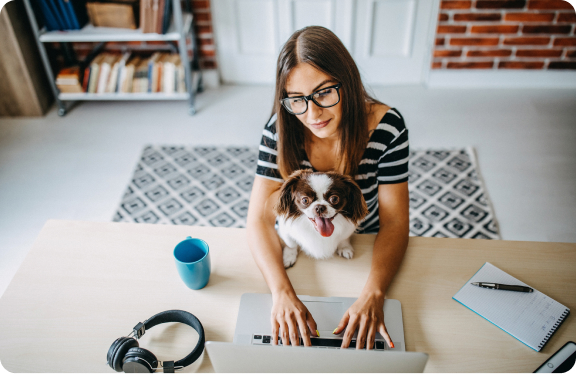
<point>318,212</point>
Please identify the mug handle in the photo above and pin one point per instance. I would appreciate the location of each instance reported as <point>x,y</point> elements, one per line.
<point>188,237</point>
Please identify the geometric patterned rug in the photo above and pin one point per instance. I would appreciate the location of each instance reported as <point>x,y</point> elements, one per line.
<point>448,198</point>
<point>210,186</point>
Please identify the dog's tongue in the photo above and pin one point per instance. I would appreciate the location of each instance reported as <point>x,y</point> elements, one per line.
<point>324,226</point>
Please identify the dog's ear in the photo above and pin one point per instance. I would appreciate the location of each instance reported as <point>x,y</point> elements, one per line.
<point>285,205</point>
<point>355,204</point>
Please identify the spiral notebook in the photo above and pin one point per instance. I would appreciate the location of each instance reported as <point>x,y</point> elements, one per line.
<point>531,318</point>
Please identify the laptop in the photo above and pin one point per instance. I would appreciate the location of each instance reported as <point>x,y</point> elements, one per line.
<point>252,350</point>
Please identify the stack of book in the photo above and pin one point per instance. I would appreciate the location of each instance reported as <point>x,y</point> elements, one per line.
<point>155,15</point>
<point>124,73</point>
<point>68,80</point>
<point>62,14</point>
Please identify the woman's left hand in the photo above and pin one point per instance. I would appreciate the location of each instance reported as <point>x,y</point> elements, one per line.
<point>367,316</point>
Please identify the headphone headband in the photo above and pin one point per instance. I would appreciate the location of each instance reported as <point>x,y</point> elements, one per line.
<point>125,354</point>
<point>185,318</point>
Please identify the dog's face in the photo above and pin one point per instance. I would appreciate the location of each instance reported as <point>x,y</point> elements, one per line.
<point>320,197</point>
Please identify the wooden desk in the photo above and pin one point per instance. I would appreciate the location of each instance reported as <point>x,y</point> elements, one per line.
<point>85,284</point>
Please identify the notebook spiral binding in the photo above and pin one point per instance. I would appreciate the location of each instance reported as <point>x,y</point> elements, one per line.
<point>554,328</point>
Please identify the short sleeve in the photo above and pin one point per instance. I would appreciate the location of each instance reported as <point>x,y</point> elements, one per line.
<point>393,164</point>
<point>267,166</point>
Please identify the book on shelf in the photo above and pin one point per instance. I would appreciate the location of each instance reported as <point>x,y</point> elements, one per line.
<point>112,85</point>
<point>145,10</point>
<point>155,16</point>
<point>122,70</point>
<point>108,72</point>
<point>94,72</point>
<point>50,21</point>
<point>77,12</point>
<point>169,74</point>
<point>155,7</point>
<point>173,77</point>
<point>60,15</point>
<point>127,75</point>
<point>166,16</point>
<point>56,12</point>
<point>105,71</point>
<point>151,70</point>
<point>160,66</point>
<point>140,83</point>
<point>64,13</point>
<point>68,80</point>
<point>86,79</point>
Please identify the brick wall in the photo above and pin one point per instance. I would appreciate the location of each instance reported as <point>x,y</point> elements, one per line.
<point>204,33</point>
<point>507,34</point>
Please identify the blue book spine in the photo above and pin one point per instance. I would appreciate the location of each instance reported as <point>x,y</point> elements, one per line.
<point>49,20</point>
<point>150,68</point>
<point>80,11</point>
<point>167,16</point>
<point>69,9</point>
<point>57,16</point>
<point>72,15</point>
<point>64,13</point>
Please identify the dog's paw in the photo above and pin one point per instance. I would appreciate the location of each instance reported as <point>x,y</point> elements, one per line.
<point>289,256</point>
<point>346,251</point>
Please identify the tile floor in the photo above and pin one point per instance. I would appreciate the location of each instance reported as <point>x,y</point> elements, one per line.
<point>77,167</point>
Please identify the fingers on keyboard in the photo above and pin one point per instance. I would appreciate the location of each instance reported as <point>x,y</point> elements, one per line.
<point>379,345</point>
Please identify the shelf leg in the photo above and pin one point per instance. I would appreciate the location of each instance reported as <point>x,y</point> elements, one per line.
<point>200,85</point>
<point>62,111</point>
<point>44,57</point>
<point>177,14</point>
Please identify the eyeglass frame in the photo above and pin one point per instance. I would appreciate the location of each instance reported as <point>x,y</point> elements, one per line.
<point>311,97</point>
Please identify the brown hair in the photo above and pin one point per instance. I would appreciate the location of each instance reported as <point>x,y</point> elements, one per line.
<point>319,47</point>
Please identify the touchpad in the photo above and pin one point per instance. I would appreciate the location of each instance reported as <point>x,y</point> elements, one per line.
<point>326,314</point>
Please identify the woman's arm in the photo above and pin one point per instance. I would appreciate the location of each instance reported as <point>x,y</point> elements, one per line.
<point>366,315</point>
<point>289,315</point>
<point>263,240</point>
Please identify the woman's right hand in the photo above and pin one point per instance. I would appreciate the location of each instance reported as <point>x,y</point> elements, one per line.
<point>290,316</point>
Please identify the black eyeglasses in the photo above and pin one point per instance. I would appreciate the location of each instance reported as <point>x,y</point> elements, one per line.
<point>324,98</point>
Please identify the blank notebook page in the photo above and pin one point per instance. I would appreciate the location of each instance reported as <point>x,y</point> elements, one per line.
<point>531,318</point>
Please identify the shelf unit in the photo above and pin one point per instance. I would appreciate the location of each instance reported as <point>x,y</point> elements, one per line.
<point>180,27</point>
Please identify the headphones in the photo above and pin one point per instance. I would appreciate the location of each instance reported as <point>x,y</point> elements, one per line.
<point>126,355</point>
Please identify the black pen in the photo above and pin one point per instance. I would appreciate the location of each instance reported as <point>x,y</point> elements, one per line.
<point>505,287</point>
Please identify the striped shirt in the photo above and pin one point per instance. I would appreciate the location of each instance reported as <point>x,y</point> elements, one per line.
<point>385,161</point>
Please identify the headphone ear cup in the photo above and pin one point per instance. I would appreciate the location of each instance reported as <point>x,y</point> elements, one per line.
<point>112,350</point>
<point>141,356</point>
<point>118,350</point>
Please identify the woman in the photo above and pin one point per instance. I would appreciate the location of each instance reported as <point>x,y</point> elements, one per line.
<point>324,119</point>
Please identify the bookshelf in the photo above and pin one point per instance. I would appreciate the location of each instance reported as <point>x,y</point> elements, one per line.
<point>180,27</point>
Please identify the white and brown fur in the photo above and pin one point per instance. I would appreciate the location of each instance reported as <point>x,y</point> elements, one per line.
<point>295,219</point>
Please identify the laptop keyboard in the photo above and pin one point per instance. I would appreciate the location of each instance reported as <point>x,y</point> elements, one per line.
<point>380,345</point>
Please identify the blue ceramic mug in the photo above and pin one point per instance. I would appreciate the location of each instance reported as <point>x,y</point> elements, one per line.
<point>193,262</point>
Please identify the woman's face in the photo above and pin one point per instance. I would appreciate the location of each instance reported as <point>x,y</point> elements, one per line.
<point>303,80</point>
